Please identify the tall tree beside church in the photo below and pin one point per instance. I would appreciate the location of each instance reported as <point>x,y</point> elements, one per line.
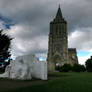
<point>5,42</point>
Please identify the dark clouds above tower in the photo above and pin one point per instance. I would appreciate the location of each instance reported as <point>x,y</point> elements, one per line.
<point>31,19</point>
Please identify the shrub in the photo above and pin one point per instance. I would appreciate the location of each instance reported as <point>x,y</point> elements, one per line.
<point>78,68</point>
<point>57,68</point>
<point>89,65</point>
<point>65,68</point>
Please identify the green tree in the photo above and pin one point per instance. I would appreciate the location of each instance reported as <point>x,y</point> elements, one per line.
<point>88,64</point>
<point>66,68</point>
<point>5,42</point>
<point>78,68</point>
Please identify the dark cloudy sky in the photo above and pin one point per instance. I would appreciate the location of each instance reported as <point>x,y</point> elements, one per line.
<point>27,21</point>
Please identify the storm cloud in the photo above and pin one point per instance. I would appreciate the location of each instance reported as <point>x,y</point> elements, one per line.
<point>29,23</point>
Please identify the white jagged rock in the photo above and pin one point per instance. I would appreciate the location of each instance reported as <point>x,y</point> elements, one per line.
<point>25,68</point>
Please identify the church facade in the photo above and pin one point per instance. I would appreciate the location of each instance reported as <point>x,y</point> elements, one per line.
<point>58,51</point>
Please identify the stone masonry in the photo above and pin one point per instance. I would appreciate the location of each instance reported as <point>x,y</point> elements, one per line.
<point>58,52</point>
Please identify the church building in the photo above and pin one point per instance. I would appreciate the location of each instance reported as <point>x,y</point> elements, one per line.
<point>58,51</point>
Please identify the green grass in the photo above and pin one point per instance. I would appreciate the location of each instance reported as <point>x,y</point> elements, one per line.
<point>67,82</point>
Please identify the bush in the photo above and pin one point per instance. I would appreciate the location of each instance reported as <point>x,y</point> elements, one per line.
<point>75,68</point>
<point>57,68</point>
<point>78,68</point>
<point>89,65</point>
<point>65,68</point>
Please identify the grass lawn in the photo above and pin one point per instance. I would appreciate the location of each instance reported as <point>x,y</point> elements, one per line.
<point>62,82</point>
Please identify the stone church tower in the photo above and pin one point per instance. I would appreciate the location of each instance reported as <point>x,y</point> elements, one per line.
<point>58,42</point>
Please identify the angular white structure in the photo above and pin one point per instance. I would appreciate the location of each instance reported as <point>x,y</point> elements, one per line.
<point>25,68</point>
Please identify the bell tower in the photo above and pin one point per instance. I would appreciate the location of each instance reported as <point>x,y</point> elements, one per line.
<point>58,42</point>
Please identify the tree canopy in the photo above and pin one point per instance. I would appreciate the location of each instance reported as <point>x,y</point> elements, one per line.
<point>5,42</point>
<point>89,64</point>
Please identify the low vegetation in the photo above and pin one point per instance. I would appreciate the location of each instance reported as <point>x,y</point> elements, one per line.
<point>69,68</point>
<point>62,82</point>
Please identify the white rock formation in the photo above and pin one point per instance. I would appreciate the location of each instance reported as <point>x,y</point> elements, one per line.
<point>26,67</point>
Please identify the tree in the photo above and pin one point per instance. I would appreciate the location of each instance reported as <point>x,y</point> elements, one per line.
<point>89,64</point>
<point>75,68</point>
<point>78,68</point>
<point>66,68</point>
<point>5,42</point>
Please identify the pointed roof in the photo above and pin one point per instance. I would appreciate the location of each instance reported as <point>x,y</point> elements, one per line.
<point>59,13</point>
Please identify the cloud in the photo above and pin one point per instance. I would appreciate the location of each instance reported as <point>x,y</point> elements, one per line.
<point>24,44</point>
<point>81,39</point>
<point>31,20</point>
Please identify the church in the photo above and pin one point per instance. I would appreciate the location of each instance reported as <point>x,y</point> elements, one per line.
<point>58,51</point>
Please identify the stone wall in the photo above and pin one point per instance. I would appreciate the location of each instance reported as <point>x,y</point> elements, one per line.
<point>72,56</point>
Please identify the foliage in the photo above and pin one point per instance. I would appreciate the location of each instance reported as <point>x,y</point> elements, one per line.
<point>78,68</point>
<point>89,65</point>
<point>75,68</point>
<point>5,42</point>
<point>57,68</point>
<point>66,68</point>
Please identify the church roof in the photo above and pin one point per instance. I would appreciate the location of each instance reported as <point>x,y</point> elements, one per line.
<point>59,17</point>
<point>59,13</point>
